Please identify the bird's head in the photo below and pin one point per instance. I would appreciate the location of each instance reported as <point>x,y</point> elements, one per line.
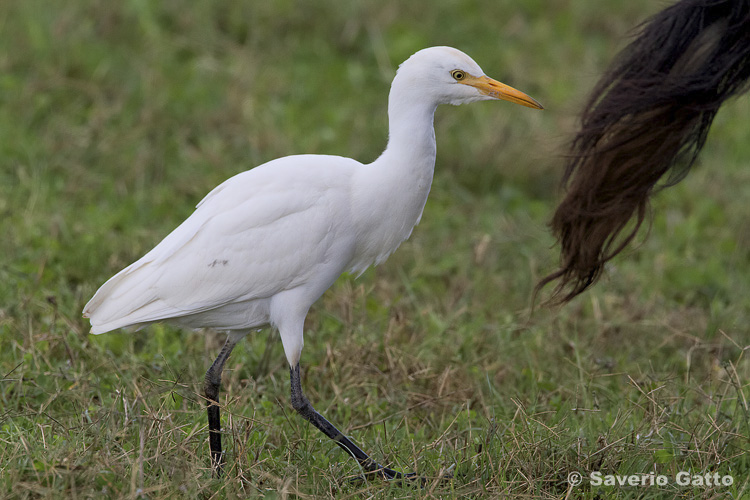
<point>451,77</point>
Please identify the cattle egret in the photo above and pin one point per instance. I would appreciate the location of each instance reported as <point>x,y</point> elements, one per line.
<point>264,245</point>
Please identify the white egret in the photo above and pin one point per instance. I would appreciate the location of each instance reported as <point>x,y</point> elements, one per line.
<point>264,245</point>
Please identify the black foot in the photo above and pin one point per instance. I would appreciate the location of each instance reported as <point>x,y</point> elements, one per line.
<point>410,478</point>
<point>390,475</point>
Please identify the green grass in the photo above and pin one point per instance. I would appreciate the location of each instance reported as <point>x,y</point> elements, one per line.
<point>117,117</point>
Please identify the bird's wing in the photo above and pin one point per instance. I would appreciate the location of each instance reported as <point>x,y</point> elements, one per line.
<point>261,232</point>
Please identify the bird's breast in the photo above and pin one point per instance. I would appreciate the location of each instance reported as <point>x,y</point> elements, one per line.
<point>385,213</point>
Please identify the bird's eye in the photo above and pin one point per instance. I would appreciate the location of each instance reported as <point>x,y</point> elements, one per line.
<point>458,75</point>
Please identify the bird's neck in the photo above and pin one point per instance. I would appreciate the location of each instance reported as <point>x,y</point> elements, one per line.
<point>391,192</point>
<point>411,151</point>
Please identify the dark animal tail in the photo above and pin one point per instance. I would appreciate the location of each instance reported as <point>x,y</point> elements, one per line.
<point>648,116</point>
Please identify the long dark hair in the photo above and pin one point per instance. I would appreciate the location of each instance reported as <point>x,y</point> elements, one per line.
<point>646,121</point>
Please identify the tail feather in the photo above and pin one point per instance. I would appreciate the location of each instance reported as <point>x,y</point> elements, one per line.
<point>645,122</point>
<point>117,304</point>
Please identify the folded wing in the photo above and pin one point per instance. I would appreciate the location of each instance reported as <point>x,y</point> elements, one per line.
<point>267,230</point>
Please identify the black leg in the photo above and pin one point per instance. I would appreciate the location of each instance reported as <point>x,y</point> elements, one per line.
<point>304,408</point>
<point>211,386</point>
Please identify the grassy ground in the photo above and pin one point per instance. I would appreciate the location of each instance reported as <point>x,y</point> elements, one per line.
<point>117,117</point>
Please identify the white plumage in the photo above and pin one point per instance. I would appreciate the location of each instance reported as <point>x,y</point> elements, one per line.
<point>263,246</point>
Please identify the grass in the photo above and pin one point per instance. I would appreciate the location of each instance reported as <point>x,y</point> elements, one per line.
<point>116,118</point>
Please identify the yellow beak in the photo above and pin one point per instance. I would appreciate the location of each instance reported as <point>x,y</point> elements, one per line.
<point>497,90</point>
